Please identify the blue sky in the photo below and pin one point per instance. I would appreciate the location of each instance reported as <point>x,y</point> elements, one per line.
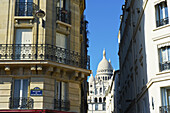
<point>103,27</point>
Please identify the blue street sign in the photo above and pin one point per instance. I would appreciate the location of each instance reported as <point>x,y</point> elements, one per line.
<point>36,92</point>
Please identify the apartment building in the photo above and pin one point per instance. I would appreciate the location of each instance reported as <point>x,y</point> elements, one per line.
<point>144,54</point>
<point>43,56</point>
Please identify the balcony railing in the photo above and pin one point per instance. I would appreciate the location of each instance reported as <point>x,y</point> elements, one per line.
<point>25,8</point>
<point>43,52</point>
<point>162,22</point>
<point>63,15</point>
<point>62,105</point>
<point>165,66</point>
<point>21,103</point>
<point>164,109</point>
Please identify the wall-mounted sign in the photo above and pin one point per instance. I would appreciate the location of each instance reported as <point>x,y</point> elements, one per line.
<point>36,92</point>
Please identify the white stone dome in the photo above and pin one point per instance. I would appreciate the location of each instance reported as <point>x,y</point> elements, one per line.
<point>104,66</point>
<point>91,79</point>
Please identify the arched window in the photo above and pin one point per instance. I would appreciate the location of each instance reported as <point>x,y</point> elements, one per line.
<point>100,90</point>
<point>100,99</point>
<point>104,99</point>
<point>95,100</point>
<point>105,78</point>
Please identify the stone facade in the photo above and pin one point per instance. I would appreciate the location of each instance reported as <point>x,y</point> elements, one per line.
<point>48,53</point>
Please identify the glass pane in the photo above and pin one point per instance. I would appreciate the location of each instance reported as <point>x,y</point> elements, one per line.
<point>160,55</point>
<point>168,53</point>
<point>161,11</point>
<point>166,12</point>
<point>163,54</point>
<point>168,96</point>
<point>16,99</point>
<point>25,88</point>
<point>64,90</point>
<point>17,85</point>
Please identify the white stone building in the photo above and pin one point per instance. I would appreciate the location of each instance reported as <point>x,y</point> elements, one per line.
<point>99,85</point>
<point>144,52</point>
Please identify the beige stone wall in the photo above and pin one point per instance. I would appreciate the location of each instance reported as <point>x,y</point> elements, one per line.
<point>75,30</point>
<point>74,97</point>
<point>48,93</point>
<point>38,100</point>
<point>5,92</point>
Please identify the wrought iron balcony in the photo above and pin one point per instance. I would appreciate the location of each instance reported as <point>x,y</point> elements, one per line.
<point>25,8</point>
<point>63,15</point>
<point>162,22</point>
<point>62,105</point>
<point>43,52</point>
<point>21,103</point>
<point>165,66</point>
<point>164,109</point>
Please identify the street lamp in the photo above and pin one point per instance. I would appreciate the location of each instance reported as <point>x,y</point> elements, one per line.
<point>39,14</point>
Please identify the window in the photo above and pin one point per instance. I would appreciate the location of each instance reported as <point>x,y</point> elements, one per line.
<point>96,91</point>
<point>90,85</point>
<point>165,93</point>
<point>104,99</point>
<point>61,95</point>
<point>63,10</point>
<point>164,58</point>
<point>20,95</point>
<point>104,106</point>
<point>161,14</point>
<point>105,78</point>
<point>61,40</point>
<point>100,99</point>
<point>96,106</point>
<point>23,40</point>
<point>100,90</point>
<point>95,100</point>
<point>24,8</point>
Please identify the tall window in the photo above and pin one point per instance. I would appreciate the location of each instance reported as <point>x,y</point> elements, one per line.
<point>20,94</point>
<point>61,40</point>
<point>63,10</point>
<point>161,14</point>
<point>24,8</point>
<point>95,100</point>
<point>164,58</point>
<point>100,99</point>
<point>100,90</point>
<point>96,106</point>
<point>23,40</point>
<point>104,106</point>
<point>61,96</point>
<point>165,93</point>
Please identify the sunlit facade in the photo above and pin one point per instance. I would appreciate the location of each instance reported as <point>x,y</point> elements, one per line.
<point>43,56</point>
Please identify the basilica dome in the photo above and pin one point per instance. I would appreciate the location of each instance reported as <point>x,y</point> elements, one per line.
<point>104,66</point>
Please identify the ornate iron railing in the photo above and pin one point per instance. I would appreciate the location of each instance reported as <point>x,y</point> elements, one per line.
<point>62,105</point>
<point>164,109</point>
<point>165,66</point>
<point>43,52</point>
<point>25,8</point>
<point>21,103</point>
<point>162,22</point>
<point>63,15</point>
